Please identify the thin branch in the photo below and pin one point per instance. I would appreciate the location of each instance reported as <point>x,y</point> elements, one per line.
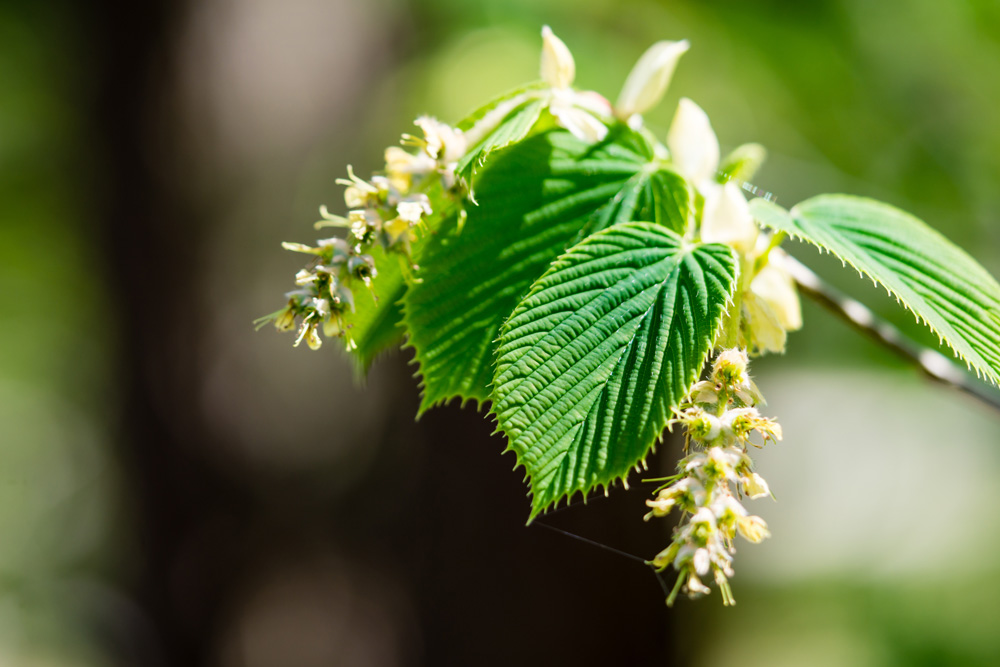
<point>933,364</point>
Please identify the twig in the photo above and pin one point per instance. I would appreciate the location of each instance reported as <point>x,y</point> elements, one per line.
<point>933,364</point>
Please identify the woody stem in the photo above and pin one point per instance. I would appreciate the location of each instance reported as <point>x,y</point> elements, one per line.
<point>931,363</point>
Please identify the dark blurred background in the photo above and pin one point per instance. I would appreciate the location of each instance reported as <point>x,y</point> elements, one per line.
<point>178,490</point>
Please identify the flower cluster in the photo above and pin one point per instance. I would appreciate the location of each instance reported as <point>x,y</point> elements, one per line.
<point>767,301</point>
<point>384,212</point>
<point>719,421</point>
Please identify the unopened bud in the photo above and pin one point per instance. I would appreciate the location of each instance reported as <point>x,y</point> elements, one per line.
<point>286,320</point>
<point>558,68</point>
<point>648,80</point>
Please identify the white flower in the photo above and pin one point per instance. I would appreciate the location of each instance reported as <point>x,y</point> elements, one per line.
<point>557,68</point>
<point>649,78</point>
<point>401,166</point>
<point>703,517</point>
<point>726,219</point>
<point>441,142</point>
<point>413,211</point>
<point>753,528</point>
<point>726,507</point>
<point>755,486</point>
<point>739,421</point>
<point>730,368</point>
<point>359,193</point>
<point>722,463</point>
<point>694,148</point>
<point>701,561</point>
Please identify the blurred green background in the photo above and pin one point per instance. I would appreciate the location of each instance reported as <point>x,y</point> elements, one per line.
<point>177,490</point>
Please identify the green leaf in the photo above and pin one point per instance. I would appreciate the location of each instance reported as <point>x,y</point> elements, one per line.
<point>604,346</point>
<point>537,198</point>
<point>377,325</point>
<point>513,126</point>
<point>509,99</point>
<point>933,278</point>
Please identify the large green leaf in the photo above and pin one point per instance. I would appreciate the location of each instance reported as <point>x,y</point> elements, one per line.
<point>535,199</point>
<point>604,346</point>
<point>936,280</point>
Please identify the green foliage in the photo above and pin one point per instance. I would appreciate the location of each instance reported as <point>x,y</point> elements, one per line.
<point>604,346</point>
<point>535,199</point>
<point>517,116</point>
<point>572,291</point>
<point>936,280</point>
<point>375,324</point>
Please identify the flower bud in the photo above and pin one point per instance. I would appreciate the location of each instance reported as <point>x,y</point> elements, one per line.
<point>695,587</point>
<point>286,320</point>
<point>312,338</point>
<point>660,506</point>
<point>557,68</point>
<point>730,368</point>
<point>648,80</point>
<point>665,557</point>
<point>694,149</point>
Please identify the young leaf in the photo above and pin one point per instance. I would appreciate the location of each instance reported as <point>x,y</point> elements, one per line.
<point>936,280</point>
<point>536,198</point>
<point>513,126</point>
<point>604,346</point>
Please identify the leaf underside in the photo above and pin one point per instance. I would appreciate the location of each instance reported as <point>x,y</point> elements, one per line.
<point>604,346</point>
<point>536,198</point>
<point>936,280</point>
